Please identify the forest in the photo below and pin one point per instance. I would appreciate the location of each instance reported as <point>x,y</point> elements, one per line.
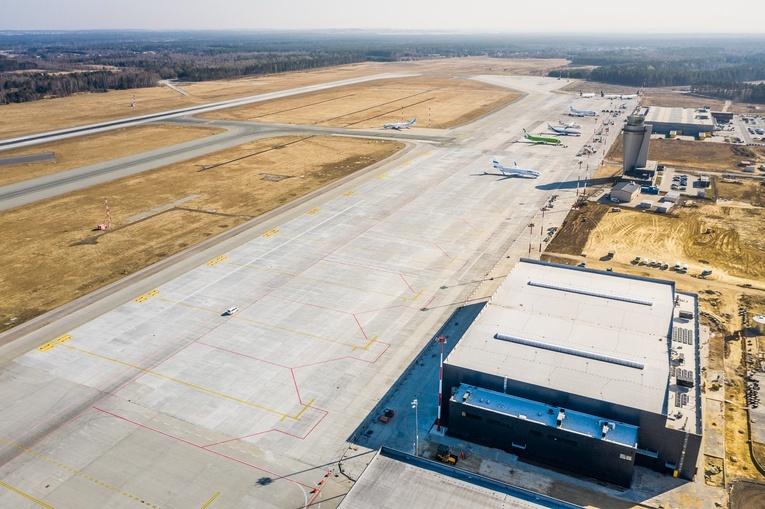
<point>39,65</point>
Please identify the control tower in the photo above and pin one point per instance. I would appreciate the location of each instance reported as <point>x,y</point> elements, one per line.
<point>637,134</point>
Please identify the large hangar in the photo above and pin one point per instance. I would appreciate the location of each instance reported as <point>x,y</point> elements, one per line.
<point>687,121</point>
<point>593,371</point>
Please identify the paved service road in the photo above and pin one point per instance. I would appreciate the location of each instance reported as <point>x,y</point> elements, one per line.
<point>154,398</point>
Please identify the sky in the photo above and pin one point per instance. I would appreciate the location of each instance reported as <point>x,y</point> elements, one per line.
<point>508,16</point>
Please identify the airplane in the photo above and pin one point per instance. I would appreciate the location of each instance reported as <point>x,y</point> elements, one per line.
<point>572,125</point>
<point>628,96</point>
<point>541,139</point>
<point>586,96</point>
<point>581,113</point>
<point>515,170</point>
<point>400,125</point>
<point>568,131</point>
<point>609,96</point>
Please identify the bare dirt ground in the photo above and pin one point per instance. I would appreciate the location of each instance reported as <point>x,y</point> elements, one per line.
<point>83,109</point>
<point>726,237</point>
<point>695,155</point>
<point>52,255</point>
<point>437,102</point>
<point>96,148</point>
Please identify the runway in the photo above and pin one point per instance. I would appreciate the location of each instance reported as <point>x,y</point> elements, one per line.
<point>61,134</point>
<point>153,398</point>
<point>237,133</point>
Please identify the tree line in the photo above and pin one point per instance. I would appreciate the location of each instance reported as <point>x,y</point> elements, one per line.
<point>55,64</point>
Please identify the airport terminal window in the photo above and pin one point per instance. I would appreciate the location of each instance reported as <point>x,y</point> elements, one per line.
<point>473,416</point>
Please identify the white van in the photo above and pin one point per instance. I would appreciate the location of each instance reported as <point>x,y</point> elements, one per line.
<point>230,311</point>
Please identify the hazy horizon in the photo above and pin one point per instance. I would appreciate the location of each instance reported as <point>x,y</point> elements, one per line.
<point>480,16</point>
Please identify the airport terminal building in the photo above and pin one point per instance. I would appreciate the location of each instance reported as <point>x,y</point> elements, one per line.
<point>592,371</point>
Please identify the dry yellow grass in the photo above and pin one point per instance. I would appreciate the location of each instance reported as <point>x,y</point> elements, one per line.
<point>82,109</point>
<point>51,255</point>
<point>96,148</point>
<point>437,102</point>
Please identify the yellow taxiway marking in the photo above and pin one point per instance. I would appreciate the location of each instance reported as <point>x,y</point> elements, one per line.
<point>28,497</point>
<point>187,384</point>
<point>382,175</point>
<point>62,339</point>
<point>216,261</point>
<point>46,347</point>
<point>348,193</point>
<point>211,500</point>
<point>71,470</point>
<point>146,296</point>
<point>313,211</point>
<point>271,232</point>
<point>305,407</point>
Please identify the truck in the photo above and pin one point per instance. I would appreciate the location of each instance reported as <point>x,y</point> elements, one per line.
<point>649,190</point>
<point>444,455</point>
<point>387,415</point>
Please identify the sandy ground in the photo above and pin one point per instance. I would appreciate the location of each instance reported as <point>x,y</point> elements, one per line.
<point>726,237</point>
<point>82,109</point>
<point>52,255</point>
<point>96,148</point>
<point>437,102</point>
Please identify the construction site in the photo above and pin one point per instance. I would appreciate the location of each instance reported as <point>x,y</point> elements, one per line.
<point>340,264</point>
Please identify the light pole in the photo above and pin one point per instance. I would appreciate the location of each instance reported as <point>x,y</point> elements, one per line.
<point>416,428</point>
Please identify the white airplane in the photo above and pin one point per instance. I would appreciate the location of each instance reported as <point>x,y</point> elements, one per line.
<point>581,113</point>
<point>609,96</point>
<point>572,125</point>
<point>628,96</point>
<point>568,131</point>
<point>515,170</point>
<point>400,125</point>
<point>586,96</point>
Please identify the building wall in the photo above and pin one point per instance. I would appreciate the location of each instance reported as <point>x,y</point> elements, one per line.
<point>598,458</point>
<point>653,434</point>
<point>623,195</point>
<point>636,136</point>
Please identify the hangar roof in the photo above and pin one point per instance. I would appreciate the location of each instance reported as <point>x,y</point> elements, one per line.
<point>678,116</point>
<point>394,479</point>
<point>601,335</point>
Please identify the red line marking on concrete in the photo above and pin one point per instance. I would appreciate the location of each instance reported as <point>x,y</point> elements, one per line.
<point>407,284</point>
<point>360,327</point>
<point>470,225</point>
<point>192,444</point>
<point>445,253</point>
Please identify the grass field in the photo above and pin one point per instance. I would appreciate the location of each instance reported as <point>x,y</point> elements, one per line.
<point>437,102</point>
<point>52,255</point>
<point>95,148</point>
<point>83,109</point>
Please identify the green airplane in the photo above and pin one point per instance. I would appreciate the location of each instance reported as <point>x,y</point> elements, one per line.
<point>541,139</point>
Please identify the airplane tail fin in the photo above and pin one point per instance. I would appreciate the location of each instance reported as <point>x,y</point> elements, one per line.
<point>602,94</point>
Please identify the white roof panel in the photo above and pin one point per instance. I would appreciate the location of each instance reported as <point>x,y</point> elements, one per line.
<point>598,334</point>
